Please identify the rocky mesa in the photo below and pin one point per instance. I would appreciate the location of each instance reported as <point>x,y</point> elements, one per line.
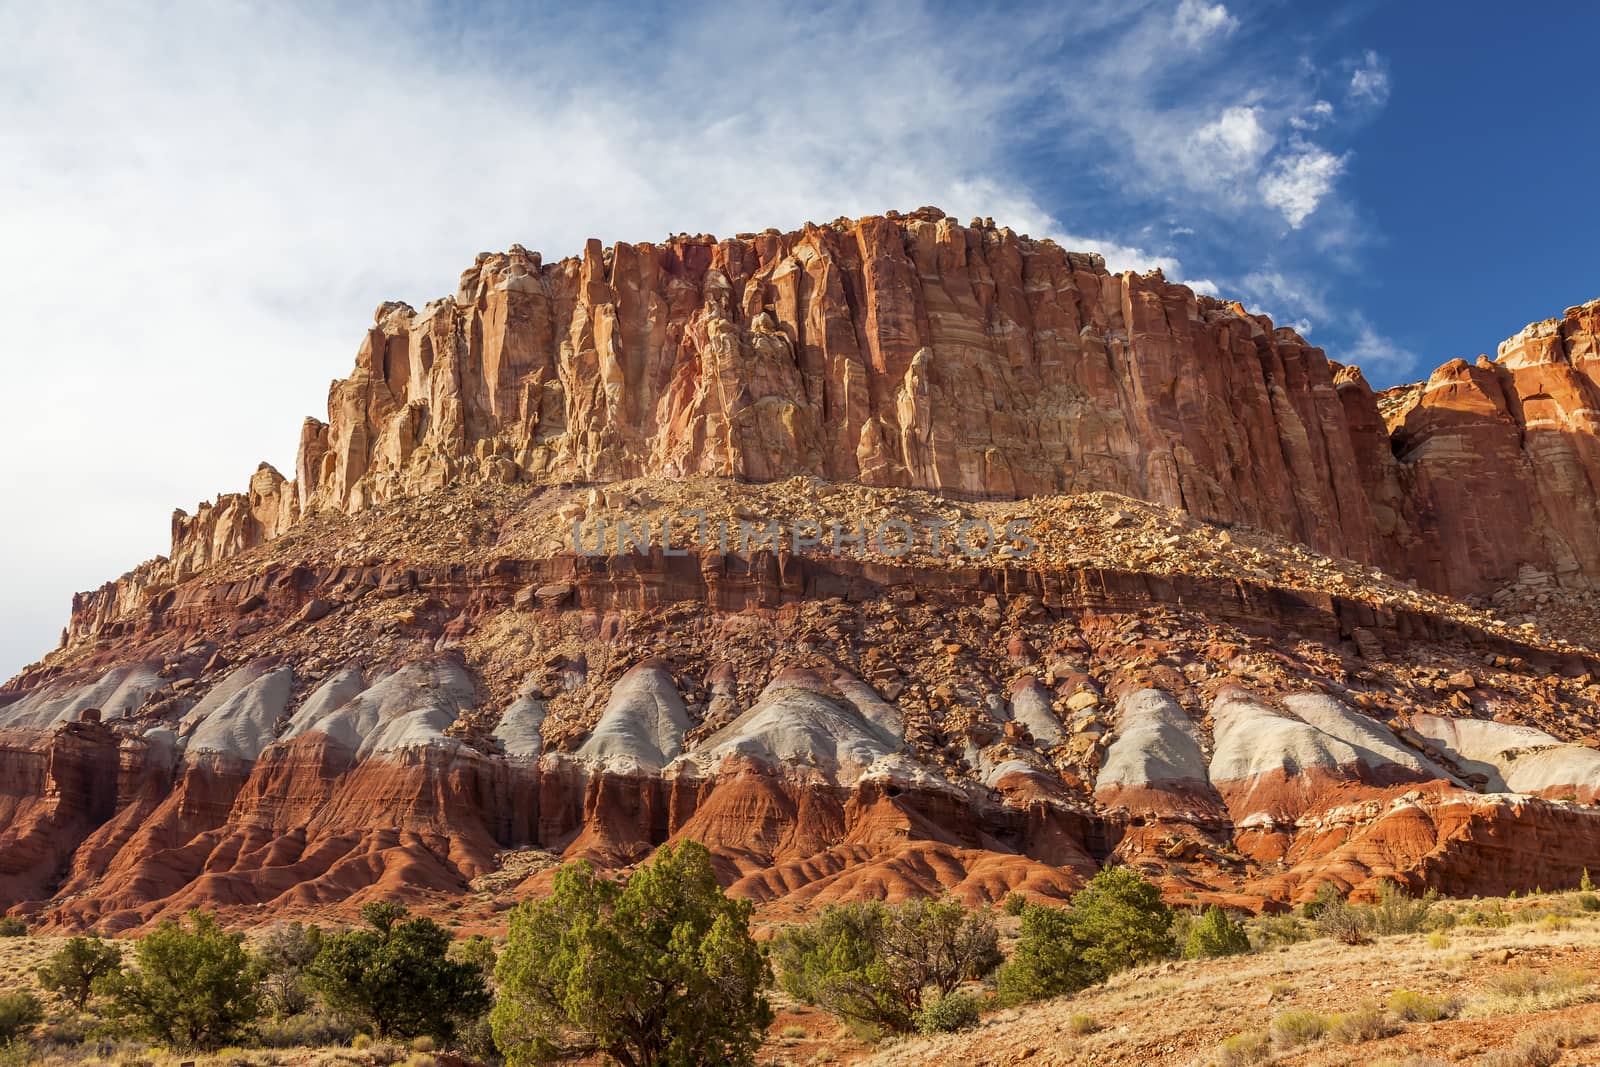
<point>1273,628</point>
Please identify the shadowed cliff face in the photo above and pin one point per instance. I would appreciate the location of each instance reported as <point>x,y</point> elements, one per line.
<point>393,675</point>
<point>914,351</point>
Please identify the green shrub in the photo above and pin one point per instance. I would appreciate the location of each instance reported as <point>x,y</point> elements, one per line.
<point>1588,902</point>
<point>1080,1023</point>
<point>286,954</point>
<point>1014,904</point>
<point>308,1030</point>
<point>660,970</point>
<point>1396,912</point>
<point>72,970</point>
<point>11,926</point>
<point>1337,918</point>
<point>1366,1023</point>
<point>1121,921</point>
<point>1297,1027</point>
<point>19,1014</point>
<point>1117,921</point>
<point>951,1012</point>
<point>1252,1046</point>
<point>870,963</point>
<point>1215,935</point>
<point>196,987</point>
<point>1273,930</point>
<point>1416,1007</point>
<point>396,976</point>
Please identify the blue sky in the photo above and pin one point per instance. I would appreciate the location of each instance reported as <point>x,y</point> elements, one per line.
<point>200,208</point>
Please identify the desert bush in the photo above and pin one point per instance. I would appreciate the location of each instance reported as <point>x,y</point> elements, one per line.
<point>1366,1023</point>
<point>396,976</point>
<point>1339,919</point>
<point>286,954</point>
<point>1080,1023</point>
<point>1416,1007</point>
<point>951,1012</point>
<point>1397,912</point>
<point>1495,916</point>
<point>19,1014</point>
<point>661,969</point>
<point>1524,989</point>
<point>1252,1046</point>
<point>72,970</point>
<point>871,963</point>
<point>1117,921</point>
<point>1048,960</point>
<point>1296,1027</point>
<point>11,926</point>
<point>1215,935</point>
<point>478,951</point>
<point>1014,904</point>
<point>1439,940</point>
<point>1273,930</point>
<point>195,988</point>
<point>1588,902</point>
<point>1538,1048</point>
<point>306,1030</point>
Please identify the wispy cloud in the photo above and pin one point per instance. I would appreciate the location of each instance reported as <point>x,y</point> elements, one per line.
<point>196,217</point>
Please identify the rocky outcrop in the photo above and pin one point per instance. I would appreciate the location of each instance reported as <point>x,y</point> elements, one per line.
<point>398,675</point>
<point>910,350</point>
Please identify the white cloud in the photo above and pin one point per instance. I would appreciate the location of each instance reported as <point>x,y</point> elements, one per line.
<point>1369,82</point>
<point>1298,181</point>
<point>1314,117</point>
<point>1371,350</point>
<point>1232,144</point>
<point>200,220</point>
<point>1198,22</point>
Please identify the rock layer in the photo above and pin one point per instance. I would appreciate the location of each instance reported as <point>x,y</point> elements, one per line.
<point>386,677</point>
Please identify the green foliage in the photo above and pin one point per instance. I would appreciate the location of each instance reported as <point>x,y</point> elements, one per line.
<point>1014,904</point>
<point>1366,1023</point>
<point>397,977</point>
<point>1337,918</point>
<point>286,954</point>
<point>195,988</point>
<point>478,951</point>
<point>954,1011</point>
<point>1215,935</point>
<point>11,926</point>
<point>870,962</point>
<point>1048,961</point>
<point>19,1013</point>
<point>1121,921</point>
<point>1417,1007</point>
<point>309,1030</point>
<point>72,970</point>
<point>662,970</point>
<point>1588,902</point>
<point>1397,912</point>
<point>1585,884</point>
<point>1252,1046</point>
<point>1271,930</point>
<point>1297,1027</point>
<point>1117,921</point>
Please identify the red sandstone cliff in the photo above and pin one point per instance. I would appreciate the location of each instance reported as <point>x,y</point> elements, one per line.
<point>390,676</point>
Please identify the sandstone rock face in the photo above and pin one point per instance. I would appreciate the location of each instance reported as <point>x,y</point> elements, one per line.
<point>394,675</point>
<point>914,351</point>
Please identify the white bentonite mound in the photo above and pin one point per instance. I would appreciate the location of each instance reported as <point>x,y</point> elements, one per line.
<point>642,726</point>
<point>115,692</point>
<point>796,723</point>
<point>408,708</point>
<point>1156,744</point>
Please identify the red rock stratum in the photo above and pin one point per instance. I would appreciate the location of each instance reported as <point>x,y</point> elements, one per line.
<point>1276,629</point>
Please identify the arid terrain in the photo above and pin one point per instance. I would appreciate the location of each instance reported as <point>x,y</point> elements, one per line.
<point>1184,596</point>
